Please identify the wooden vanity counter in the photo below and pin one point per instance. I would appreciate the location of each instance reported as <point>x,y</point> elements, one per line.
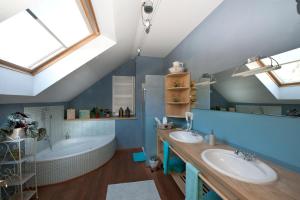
<point>287,186</point>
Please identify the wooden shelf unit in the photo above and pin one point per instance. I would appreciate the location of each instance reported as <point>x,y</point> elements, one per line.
<point>177,94</point>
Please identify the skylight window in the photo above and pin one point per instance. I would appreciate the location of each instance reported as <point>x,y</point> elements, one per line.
<point>39,36</point>
<point>25,42</point>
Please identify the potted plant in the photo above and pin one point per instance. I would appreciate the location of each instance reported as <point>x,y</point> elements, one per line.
<point>19,125</point>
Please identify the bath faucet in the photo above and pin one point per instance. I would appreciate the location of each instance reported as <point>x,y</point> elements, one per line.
<point>47,138</point>
<point>67,136</point>
<point>245,155</point>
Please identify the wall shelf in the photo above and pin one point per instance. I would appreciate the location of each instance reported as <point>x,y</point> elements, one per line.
<point>178,74</point>
<point>177,94</point>
<point>176,116</point>
<point>103,119</point>
<point>178,88</point>
<point>178,102</point>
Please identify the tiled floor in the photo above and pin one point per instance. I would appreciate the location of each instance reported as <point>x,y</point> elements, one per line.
<point>119,169</point>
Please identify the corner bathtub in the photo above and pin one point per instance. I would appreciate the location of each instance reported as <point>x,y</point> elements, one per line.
<point>73,157</point>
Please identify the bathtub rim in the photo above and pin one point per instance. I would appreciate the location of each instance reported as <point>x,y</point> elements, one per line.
<point>111,139</point>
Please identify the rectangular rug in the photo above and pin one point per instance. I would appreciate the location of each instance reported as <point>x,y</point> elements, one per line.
<point>141,190</point>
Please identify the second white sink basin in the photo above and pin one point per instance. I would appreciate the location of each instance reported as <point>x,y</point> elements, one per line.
<point>186,137</point>
<point>232,165</point>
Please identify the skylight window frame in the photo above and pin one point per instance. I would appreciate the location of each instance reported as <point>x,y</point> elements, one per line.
<point>92,22</point>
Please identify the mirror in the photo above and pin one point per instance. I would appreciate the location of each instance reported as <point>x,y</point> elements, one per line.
<point>258,93</point>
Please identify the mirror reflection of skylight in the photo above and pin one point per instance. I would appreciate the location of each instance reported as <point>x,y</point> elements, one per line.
<point>29,42</point>
<point>289,73</point>
<point>290,67</point>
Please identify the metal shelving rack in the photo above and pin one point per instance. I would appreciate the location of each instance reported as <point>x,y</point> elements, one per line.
<point>18,168</point>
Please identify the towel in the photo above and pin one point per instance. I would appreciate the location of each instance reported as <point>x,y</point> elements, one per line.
<point>211,195</point>
<point>166,156</point>
<point>175,164</point>
<point>193,185</point>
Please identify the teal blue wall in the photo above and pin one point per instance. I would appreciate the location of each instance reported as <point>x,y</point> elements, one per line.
<point>275,138</point>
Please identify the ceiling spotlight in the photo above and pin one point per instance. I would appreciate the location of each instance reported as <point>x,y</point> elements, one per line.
<point>148,6</point>
<point>147,26</point>
<point>139,51</point>
<point>147,9</point>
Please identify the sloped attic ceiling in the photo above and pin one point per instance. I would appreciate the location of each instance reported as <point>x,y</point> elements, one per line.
<point>126,32</point>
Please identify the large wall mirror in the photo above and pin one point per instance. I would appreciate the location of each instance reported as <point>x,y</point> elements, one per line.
<point>268,86</point>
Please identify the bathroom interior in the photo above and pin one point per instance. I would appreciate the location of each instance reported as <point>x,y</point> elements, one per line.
<point>149,99</point>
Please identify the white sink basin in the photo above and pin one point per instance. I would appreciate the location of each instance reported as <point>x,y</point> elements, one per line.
<point>186,137</point>
<point>228,163</point>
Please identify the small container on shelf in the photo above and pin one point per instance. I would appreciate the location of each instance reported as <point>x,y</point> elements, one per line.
<point>84,114</point>
<point>71,114</point>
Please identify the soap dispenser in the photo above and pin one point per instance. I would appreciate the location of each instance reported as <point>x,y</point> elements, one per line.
<point>212,138</point>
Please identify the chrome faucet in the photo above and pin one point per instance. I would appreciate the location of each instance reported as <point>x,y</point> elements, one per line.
<point>245,155</point>
<point>47,138</point>
<point>67,136</point>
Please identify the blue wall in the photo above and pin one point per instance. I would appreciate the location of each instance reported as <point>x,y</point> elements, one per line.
<point>100,94</point>
<point>129,133</point>
<point>275,138</point>
<point>235,31</point>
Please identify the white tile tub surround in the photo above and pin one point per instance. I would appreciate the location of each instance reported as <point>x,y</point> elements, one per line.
<point>78,128</point>
<point>92,144</point>
<point>51,118</point>
<point>74,157</point>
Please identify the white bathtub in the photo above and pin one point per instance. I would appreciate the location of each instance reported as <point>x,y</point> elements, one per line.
<point>73,157</point>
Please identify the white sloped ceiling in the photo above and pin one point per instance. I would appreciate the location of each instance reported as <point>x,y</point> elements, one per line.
<point>173,21</point>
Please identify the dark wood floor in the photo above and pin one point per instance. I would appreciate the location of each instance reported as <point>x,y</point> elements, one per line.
<point>119,169</point>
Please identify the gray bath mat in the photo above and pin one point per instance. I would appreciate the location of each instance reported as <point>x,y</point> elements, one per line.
<point>142,190</point>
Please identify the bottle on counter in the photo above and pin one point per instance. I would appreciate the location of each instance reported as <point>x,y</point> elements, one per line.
<point>127,112</point>
<point>212,138</point>
<point>121,112</point>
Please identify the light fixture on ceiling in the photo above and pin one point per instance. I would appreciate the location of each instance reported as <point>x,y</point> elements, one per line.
<point>206,79</point>
<point>147,9</point>
<point>256,66</point>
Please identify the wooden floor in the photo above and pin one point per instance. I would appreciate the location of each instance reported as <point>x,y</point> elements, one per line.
<point>119,169</point>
